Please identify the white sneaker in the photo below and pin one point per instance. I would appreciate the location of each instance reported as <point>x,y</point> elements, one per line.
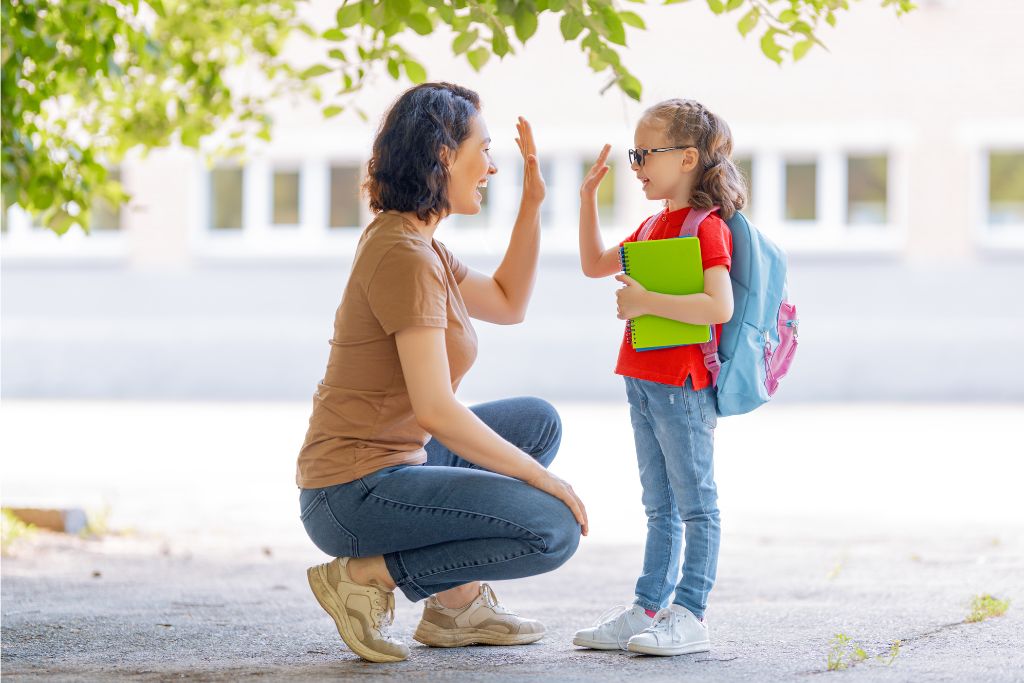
<point>675,631</point>
<point>614,629</point>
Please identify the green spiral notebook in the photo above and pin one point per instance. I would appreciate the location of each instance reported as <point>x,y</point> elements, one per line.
<point>670,266</point>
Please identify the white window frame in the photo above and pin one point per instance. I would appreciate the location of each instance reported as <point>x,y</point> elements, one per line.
<point>981,138</point>
<point>310,151</point>
<point>769,148</point>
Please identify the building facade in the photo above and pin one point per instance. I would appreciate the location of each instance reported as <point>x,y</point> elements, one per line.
<point>890,168</point>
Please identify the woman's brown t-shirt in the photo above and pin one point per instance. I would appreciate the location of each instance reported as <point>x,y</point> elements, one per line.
<point>362,417</point>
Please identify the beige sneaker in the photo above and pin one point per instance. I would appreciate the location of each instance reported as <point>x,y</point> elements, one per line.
<point>484,621</point>
<point>363,614</point>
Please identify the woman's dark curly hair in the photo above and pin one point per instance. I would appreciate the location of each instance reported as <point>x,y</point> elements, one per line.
<point>406,172</point>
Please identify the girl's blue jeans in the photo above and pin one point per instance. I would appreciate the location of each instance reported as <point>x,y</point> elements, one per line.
<point>447,522</point>
<point>674,430</point>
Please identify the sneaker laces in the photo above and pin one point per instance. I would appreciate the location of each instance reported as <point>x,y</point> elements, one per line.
<point>664,622</point>
<point>492,600</point>
<point>383,613</point>
<point>613,614</point>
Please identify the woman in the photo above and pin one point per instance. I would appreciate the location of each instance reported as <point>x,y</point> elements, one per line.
<point>397,508</point>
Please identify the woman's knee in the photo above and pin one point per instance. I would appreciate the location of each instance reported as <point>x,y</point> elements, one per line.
<point>561,535</point>
<point>547,423</point>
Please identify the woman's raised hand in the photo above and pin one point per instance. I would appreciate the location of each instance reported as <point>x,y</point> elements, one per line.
<point>534,188</point>
<point>596,174</point>
<point>560,489</point>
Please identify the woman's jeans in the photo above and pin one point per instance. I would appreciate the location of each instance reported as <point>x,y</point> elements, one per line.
<point>674,429</point>
<point>447,522</point>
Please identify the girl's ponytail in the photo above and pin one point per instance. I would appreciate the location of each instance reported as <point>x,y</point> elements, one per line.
<point>688,122</point>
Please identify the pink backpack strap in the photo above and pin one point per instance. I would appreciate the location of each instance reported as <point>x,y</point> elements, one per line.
<point>645,232</point>
<point>710,348</point>
<point>693,220</point>
<point>711,360</point>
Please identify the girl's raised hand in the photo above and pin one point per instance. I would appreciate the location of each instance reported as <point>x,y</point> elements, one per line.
<point>534,188</point>
<point>596,174</point>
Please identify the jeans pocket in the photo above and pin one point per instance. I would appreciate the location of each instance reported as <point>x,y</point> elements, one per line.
<point>708,408</point>
<point>324,529</point>
<point>308,502</point>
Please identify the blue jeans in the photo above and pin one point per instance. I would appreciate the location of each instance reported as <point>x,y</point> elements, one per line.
<point>448,522</point>
<point>674,430</point>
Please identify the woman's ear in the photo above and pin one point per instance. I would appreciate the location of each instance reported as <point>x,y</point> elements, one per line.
<point>447,157</point>
<point>691,157</point>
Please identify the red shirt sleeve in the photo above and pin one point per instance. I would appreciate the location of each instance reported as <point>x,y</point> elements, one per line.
<point>715,242</point>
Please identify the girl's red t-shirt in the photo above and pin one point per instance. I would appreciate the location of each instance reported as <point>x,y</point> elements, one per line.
<point>673,365</point>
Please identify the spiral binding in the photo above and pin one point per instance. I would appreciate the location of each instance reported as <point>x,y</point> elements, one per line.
<point>624,264</point>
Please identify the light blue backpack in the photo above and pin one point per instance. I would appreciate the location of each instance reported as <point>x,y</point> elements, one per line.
<point>759,342</point>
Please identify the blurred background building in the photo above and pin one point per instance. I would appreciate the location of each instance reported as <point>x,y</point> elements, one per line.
<point>891,168</point>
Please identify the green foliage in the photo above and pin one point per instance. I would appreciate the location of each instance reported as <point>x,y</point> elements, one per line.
<point>12,530</point>
<point>482,28</point>
<point>837,655</point>
<point>986,606</point>
<point>85,81</point>
<point>844,653</point>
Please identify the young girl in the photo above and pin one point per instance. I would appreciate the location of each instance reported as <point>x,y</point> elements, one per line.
<point>682,156</point>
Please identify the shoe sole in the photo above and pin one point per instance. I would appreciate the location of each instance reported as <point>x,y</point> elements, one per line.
<point>435,636</point>
<point>332,604</point>
<point>688,649</point>
<point>596,645</point>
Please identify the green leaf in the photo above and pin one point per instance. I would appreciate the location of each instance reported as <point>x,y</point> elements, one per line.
<point>788,16</point>
<point>314,71</point>
<point>349,15</point>
<point>415,71</point>
<point>526,22</point>
<point>336,35</point>
<point>609,55</point>
<point>571,26</point>
<point>733,4</point>
<point>398,9</point>
<point>393,69</point>
<point>478,57</point>
<point>802,27</point>
<point>158,7</point>
<point>749,21</point>
<point>716,6</point>
<point>616,31</point>
<point>633,19</point>
<point>556,5</point>
<point>332,111</point>
<point>464,41</point>
<point>420,23</point>
<point>631,86</point>
<point>770,48</point>
<point>801,48</point>
<point>499,41</point>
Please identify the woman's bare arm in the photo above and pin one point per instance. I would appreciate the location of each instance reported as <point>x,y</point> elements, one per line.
<point>424,359</point>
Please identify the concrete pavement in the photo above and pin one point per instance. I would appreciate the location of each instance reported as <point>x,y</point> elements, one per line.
<point>213,609</point>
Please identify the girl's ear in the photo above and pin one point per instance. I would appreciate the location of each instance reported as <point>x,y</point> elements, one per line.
<point>691,157</point>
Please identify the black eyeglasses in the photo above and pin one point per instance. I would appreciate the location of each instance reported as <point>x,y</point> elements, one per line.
<point>636,156</point>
